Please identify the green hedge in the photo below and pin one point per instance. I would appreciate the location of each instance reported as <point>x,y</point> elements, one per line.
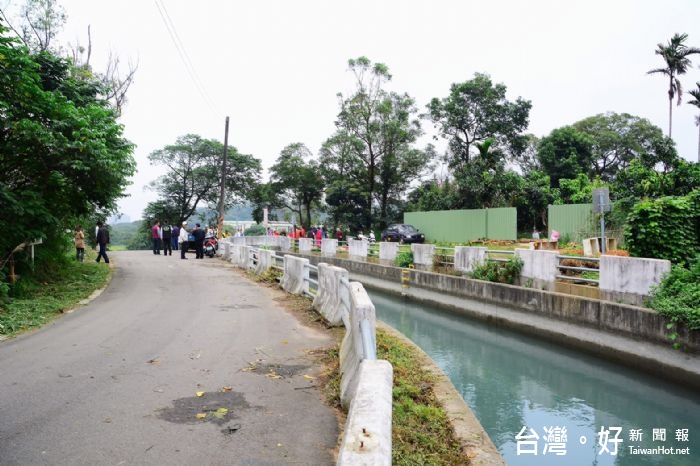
<point>665,228</point>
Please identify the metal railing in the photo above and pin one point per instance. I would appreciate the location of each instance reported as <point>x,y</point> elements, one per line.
<point>447,253</point>
<point>493,252</point>
<point>308,269</point>
<point>577,278</point>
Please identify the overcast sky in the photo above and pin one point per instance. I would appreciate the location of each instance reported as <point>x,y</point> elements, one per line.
<point>275,67</point>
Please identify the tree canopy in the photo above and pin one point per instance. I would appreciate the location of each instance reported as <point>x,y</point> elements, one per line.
<point>62,152</point>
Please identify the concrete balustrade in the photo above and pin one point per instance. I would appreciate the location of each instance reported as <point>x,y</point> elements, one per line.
<point>423,255</point>
<point>387,252</point>
<point>329,246</point>
<point>295,274</point>
<point>367,437</point>
<point>240,240</point>
<point>540,268</point>
<point>357,248</point>
<point>264,261</point>
<point>351,349</point>
<point>306,245</point>
<point>630,279</point>
<point>225,250</point>
<point>366,385</point>
<point>244,258</point>
<point>467,257</point>
<point>328,299</point>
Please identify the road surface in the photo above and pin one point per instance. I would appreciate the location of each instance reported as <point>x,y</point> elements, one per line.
<point>116,381</point>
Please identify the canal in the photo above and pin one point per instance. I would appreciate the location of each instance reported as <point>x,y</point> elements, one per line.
<point>512,381</point>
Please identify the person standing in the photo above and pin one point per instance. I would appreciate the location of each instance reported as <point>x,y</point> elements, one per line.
<point>79,238</point>
<point>167,237</point>
<point>176,236</point>
<point>199,235</point>
<point>183,240</point>
<point>102,242</point>
<point>155,236</point>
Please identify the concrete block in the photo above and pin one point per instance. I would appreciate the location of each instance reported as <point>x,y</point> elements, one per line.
<point>235,254</point>
<point>367,434</point>
<point>467,257</point>
<point>284,243</point>
<point>306,245</point>
<point>329,246</point>
<point>351,348</point>
<point>264,261</point>
<point>225,250</point>
<point>630,279</point>
<point>328,299</point>
<point>244,260</point>
<point>387,252</point>
<point>357,248</point>
<point>540,267</point>
<point>423,255</point>
<point>295,273</point>
<point>590,247</point>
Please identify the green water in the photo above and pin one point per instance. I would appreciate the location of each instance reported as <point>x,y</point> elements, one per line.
<point>512,381</point>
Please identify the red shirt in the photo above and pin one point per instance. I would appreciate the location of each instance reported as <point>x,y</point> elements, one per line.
<point>154,232</point>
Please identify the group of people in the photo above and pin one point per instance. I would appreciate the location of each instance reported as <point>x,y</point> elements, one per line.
<point>101,238</point>
<point>171,237</point>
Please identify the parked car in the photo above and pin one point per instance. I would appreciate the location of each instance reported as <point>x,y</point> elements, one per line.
<point>403,233</point>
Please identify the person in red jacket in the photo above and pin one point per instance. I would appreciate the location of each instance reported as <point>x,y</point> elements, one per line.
<point>155,236</point>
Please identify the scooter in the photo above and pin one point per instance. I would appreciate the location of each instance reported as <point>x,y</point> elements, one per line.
<point>211,245</point>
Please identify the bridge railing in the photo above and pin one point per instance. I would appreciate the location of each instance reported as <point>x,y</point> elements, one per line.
<point>366,383</point>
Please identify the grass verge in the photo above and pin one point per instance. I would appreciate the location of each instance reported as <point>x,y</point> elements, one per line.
<point>43,300</point>
<point>421,431</point>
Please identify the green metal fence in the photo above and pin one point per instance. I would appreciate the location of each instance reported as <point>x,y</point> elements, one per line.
<point>574,220</point>
<point>464,225</point>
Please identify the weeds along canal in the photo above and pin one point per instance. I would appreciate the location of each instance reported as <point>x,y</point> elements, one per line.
<point>511,381</point>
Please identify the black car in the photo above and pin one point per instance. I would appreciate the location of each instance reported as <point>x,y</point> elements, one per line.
<point>403,233</point>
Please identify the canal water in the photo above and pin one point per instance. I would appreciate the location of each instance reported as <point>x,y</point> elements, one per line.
<point>512,381</point>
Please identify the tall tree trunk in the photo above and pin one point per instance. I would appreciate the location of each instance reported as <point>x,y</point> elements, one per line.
<point>670,106</point>
<point>698,139</point>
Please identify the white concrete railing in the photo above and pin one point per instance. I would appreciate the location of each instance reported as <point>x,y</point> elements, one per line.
<point>541,268</point>
<point>366,383</point>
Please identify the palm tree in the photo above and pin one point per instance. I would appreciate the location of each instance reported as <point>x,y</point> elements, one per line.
<point>675,54</point>
<point>696,101</point>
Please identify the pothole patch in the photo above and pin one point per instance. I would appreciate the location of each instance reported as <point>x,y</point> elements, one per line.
<point>216,407</point>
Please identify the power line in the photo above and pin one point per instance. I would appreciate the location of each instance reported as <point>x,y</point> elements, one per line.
<point>184,57</point>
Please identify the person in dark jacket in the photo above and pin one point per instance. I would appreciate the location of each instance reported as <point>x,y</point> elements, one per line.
<point>176,235</point>
<point>199,234</point>
<point>167,232</point>
<point>102,242</point>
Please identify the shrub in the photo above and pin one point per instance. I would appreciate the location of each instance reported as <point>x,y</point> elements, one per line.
<point>664,228</point>
<point>255,230</point>
<point>500,272</point>
<point>678,296</point>
<point>404,259</point>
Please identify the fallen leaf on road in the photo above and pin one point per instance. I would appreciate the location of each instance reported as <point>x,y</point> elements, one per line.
<point>309,377</point>
<point>200,394</point>
<point>153,361</point>
<point>285,342</point>
<point>200,415</point>
<point>226,389</point>
<point>220,413</point>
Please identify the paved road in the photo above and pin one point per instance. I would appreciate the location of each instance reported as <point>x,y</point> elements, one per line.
<point>115,382</point>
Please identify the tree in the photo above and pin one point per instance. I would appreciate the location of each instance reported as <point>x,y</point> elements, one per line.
<point>193,175</point>
<point>378,129</point>
<point>565,153</point>
<point>476,110</point>
<point>533,200</point>
<point>297,181</point>
<point>63,156</point>
<point>675,55</point>
<point>696,102</point>
<point>619,138</point>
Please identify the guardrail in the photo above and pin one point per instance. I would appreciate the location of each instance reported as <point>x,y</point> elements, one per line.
<point>493,252</point>
<point>576,278</point>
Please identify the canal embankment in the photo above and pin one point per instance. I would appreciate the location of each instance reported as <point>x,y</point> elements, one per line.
<point>629,335</point>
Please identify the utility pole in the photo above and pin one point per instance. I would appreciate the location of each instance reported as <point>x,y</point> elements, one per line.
<point>222,192</point>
